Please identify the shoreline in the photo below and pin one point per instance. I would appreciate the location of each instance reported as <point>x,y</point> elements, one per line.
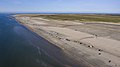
<point>71,61</point>
<point>49,33</point>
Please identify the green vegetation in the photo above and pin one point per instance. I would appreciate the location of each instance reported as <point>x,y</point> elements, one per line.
<point>83,17</point>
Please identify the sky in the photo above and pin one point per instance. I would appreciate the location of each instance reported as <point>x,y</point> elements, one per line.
<point>76,6</point>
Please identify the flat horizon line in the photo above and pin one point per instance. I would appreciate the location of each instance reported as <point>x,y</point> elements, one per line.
<point>56,13</point>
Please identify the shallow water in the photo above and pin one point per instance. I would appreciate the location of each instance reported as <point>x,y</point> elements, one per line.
<point>20,47</point>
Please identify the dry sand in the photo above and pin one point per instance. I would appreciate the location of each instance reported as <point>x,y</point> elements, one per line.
<point>95,50</point>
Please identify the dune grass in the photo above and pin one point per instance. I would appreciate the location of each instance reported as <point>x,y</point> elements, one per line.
<point>82,17</point>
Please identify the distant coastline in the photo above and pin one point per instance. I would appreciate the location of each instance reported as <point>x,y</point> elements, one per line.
<point>13,13</point>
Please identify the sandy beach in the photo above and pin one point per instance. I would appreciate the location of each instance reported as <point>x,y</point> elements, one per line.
<point>96,44</point>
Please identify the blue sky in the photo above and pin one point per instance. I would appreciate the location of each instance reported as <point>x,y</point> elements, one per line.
<point>81,6</point>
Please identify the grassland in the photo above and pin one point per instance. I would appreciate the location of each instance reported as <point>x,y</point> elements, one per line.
<point>81,17</point>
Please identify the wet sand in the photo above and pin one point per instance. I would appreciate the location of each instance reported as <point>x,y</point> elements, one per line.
<point>87,43</point>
